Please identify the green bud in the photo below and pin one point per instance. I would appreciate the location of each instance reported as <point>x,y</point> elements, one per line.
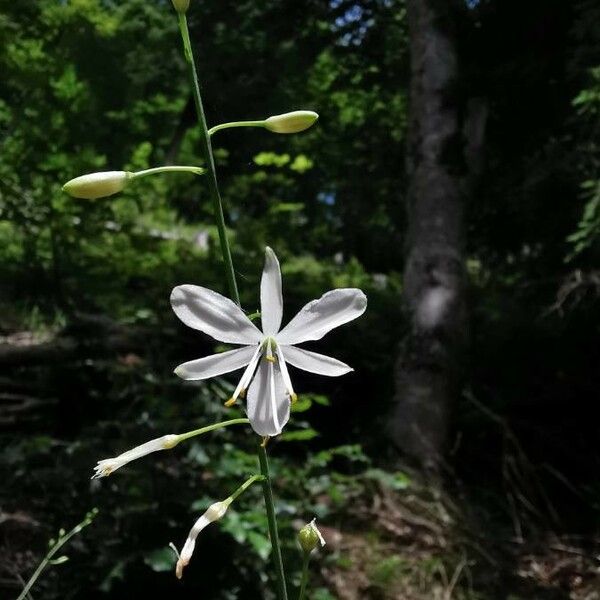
<point>291,122</point>
<point>310,537</point>
<point>181,6</point>
<point>97,185</point>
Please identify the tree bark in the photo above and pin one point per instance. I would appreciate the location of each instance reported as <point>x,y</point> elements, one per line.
<point>429,363</point>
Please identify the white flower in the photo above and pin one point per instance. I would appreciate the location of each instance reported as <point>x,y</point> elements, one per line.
<point>109,465</point>
<point>213,513</point>
<point>265,354</point>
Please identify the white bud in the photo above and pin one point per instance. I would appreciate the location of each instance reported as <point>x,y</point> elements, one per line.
<point>97,185</point>
<point>109,465</point>
<point>213,513</point>
<point>181,6</point>
<point>291,122</point>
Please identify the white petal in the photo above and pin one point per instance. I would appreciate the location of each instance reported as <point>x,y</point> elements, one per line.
<point>315,363</point>
<point>215,364</point>
<point>215,315</point>
<point>320,316</point>
<point>271,299</point>
<point>260,401</point>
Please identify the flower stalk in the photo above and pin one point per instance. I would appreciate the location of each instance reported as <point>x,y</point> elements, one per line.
<point>209,158</point>
<point>233,289</point>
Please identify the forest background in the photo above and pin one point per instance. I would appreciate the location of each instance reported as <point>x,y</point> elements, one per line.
<point>509,505</point>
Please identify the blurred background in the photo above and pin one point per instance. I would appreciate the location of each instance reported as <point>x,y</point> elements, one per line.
<point>453,176</point>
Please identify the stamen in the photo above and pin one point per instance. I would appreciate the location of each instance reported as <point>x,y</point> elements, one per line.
<point>242,386</point>
<point>273,398</point>
<point>285,374</point>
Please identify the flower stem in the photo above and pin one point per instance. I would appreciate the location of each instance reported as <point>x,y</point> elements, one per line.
<point>235,124</point>
<point>195,432</point>
<point>233,290</point>
<point>304,581</point>
<point>208,157</point>
<point>169,169</point>
<point>273,533</point>
<point>245,486</point>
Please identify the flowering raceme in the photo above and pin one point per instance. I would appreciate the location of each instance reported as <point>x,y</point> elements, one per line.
<point>265,354</point>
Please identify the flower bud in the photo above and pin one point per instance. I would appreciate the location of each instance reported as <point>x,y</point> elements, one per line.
<point>181,6</point>
<point>310,537</point>
<point>97,185</point>
<point>291,122</point>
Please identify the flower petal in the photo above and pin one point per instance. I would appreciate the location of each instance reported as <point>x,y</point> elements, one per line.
<point>315,363</point>
<point>320,316</point>
<point>215,315</point>
<point>271,299</point>
<point>215,364</point>
<point>265,394</point>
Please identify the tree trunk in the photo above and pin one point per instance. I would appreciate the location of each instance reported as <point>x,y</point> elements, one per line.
<point>429,363</point>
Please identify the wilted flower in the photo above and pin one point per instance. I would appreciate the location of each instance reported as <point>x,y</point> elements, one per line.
<point>213,513</point>
<point>270,391</point>
<point>109,465</point>
<point>310,537</point>
<point>291,122</point>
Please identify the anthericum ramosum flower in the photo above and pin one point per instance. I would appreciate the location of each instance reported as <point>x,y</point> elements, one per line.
<point>110,465</point>
<point>310,537</point>
<point>213,513</point>
<point>265,353</point>
<point>166,442</point>
<point>97,185</point>
<point>291,122</point>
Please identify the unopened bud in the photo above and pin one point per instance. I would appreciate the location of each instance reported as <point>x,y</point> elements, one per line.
<point>310,537</point>
<point>181,6</point>
<point>291,122</point>
<point>97,185</point>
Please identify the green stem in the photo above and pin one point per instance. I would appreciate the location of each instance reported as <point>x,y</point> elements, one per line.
<point>235,124</point>
<point>304,581</point>
<point>210,161</point>
<point>169,169</point>
<point>245,486</point>
<point>195,432</point>
<point>272,519</point>
<point>57,546</point>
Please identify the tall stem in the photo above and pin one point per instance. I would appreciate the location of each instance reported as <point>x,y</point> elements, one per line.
<point>210,161</point>
<point>218,206</point>
<point>272,519</point>
<point>304,580</point>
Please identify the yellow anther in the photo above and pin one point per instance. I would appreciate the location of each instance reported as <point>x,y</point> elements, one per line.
<point>230,402</point>
<point>271,358</point>
<point>294,398</point>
